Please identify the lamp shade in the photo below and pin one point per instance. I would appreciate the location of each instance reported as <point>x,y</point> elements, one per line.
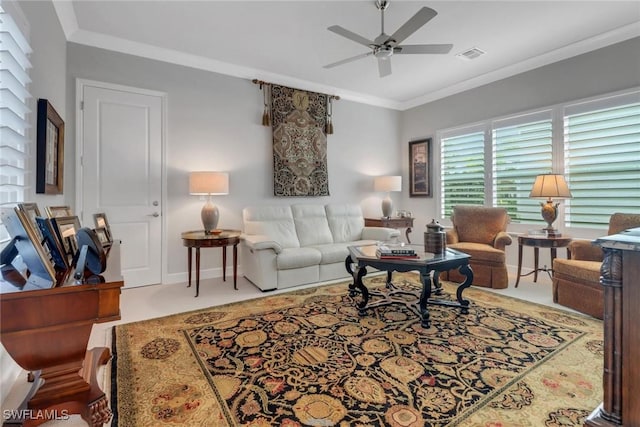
<point>387,183</point>
<point>208,183</point>
<point>550,186</point>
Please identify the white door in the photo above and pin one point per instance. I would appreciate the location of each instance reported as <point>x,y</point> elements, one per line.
<point>120,144</point>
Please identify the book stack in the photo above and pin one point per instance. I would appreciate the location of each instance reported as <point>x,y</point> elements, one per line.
<point>395,252</point>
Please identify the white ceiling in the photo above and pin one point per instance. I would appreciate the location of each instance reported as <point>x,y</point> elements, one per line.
<point>287,42</point>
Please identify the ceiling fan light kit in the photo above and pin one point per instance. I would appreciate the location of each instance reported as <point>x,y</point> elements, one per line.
<point>385,46</point>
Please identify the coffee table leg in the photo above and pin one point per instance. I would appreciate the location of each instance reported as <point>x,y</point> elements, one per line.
<point>348,262</point>
<point>468,273</point>
<point>389,283</point>
<point>425,278</point>
<point>437,286</point>
<point>358,274</point>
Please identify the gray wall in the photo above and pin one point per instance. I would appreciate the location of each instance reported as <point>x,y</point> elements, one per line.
<point>610,69</point>
<point>48,80</point>
<point>213,123</point>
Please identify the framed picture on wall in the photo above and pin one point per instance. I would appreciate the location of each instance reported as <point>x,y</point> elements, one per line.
<point>420,168</point>
<point>49,149</point>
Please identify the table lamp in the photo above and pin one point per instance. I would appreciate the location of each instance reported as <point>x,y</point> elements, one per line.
<point>550,186</point>
<point>387,184</point>
<point>208,184</point>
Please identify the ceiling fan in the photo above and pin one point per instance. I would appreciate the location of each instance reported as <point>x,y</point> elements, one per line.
<point>384,46</point>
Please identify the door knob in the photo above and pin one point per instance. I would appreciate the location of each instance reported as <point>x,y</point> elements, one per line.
<point>155,214</point>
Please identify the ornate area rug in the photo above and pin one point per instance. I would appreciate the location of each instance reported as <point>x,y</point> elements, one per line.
<point>306,358</point>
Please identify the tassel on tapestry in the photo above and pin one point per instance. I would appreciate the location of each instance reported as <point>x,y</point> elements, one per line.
<point>329,125</point>
<point>266,121</point>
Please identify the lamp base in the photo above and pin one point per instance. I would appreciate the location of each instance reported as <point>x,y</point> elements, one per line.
<point>552,232</point>
<point>210,216</point>
<point>387,207</point>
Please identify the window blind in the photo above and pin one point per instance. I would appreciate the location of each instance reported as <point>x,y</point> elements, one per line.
<point>462,170</point>
<point>14,111</point>
<point>522,149</point>
<point>602,161</point>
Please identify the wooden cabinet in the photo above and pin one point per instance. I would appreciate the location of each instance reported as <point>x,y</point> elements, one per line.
<point>620,277</point>
<point>47,331</point>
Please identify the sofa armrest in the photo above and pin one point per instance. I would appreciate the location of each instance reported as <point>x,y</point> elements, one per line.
<point>502,239</point>
<point>259,242</point>
<point>584,250</point>
<point>452,236</point>
<point>381,234</point>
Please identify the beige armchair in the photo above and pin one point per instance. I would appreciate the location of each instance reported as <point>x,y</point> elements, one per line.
<point>576,281</point>
<point>481,232</point>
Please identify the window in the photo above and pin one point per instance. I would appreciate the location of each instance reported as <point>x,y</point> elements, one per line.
<point>462,177</point>
<point>594,143</point>
<point>14,110</point>
<point>602,159</point>
<point>522,149</point>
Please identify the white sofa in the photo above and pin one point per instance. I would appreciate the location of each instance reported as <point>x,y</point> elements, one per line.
<point>285,246</point>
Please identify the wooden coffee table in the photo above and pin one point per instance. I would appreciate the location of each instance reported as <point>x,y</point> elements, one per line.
<point>361,257</point>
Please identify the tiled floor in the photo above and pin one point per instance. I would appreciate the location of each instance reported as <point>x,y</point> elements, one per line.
<point>160,300</point>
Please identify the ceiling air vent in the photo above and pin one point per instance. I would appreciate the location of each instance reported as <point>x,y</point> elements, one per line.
<point>470,54</point>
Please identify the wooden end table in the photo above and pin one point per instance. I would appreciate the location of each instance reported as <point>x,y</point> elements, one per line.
<point>538,242</point>
<point>198,239</point>
<point>392,222</point>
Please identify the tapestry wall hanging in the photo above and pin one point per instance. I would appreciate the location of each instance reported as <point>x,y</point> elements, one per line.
<point>298,121</point>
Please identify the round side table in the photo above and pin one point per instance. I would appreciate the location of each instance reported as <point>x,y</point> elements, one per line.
<point>538,242</point>
<point>198,239</point>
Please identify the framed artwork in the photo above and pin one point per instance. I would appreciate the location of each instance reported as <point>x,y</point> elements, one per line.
<point>420,168</point>
<point>103,237</point>
<point>26,243</point>
<point>101,222</point>
<point>51,243</point>
<point>32,212</point>
<point>56,211</point>
<point>50,149</point>
<point>66,228</point>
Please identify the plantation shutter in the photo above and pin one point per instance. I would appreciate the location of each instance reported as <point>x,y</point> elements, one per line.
<point>522,149</point>
<point>602,159</point>
<point>462,170</point>
<point>14,111</point>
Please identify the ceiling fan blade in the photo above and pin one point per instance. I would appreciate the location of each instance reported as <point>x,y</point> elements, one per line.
<point>423,48</point>
<point>423,16</point>
<point>350,35</point>
<point>344,61</point>
<point>384,66</point>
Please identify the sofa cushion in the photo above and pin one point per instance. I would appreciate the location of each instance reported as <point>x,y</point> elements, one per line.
<point>298,258</point>
<point>311,225</point>
<point>345,222</point>
<point>584,271</point>
<point>276,222</point>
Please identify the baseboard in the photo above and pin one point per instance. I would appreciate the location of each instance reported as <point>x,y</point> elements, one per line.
<point>209,273</point>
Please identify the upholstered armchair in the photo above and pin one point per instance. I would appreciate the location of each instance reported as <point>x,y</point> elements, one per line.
<point>576,281</point>
<point>481,232</point>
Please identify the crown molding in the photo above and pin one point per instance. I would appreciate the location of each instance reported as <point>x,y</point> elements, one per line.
<point>69,23</point>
